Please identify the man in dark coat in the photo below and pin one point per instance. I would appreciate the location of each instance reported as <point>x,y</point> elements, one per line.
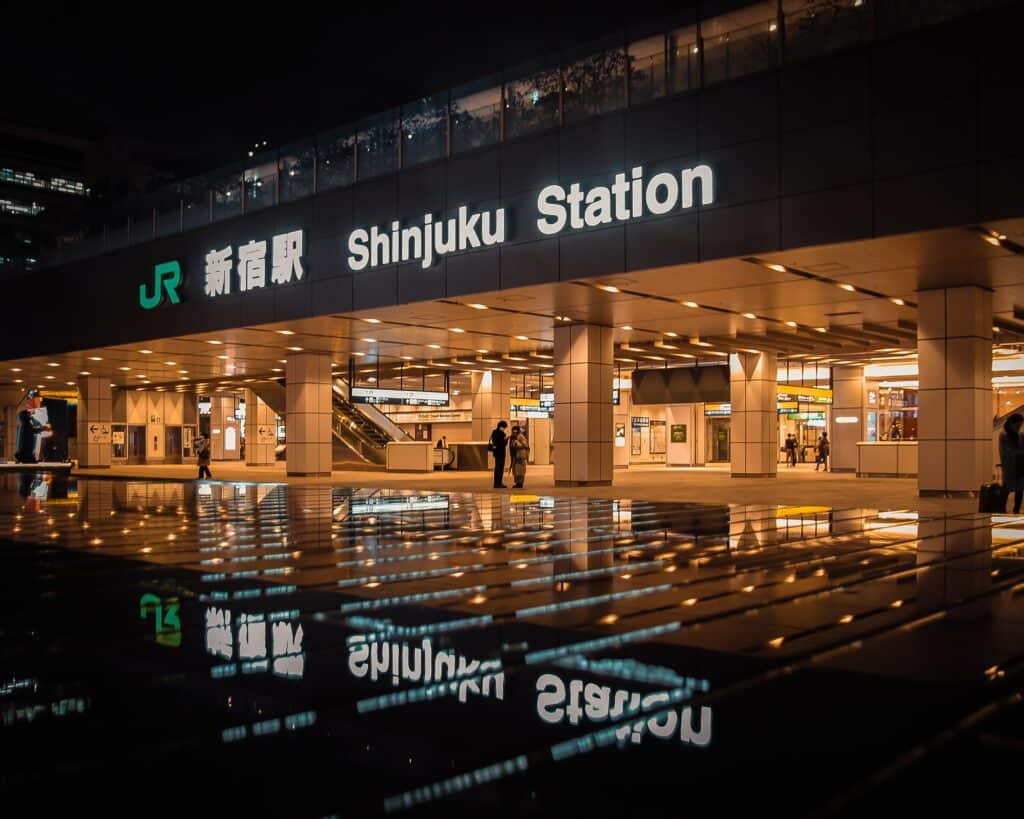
<point>498,445</point>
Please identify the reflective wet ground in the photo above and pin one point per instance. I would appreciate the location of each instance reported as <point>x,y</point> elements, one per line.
<point>174,649</point>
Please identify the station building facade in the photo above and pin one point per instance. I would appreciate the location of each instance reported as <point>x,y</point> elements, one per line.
<point>679,244</point>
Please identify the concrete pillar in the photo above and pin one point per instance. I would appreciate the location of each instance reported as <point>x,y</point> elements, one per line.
<point>95,413</point>
<point>847,427</point>
<point>954,344</point>
<point>490,402</point>
<point>260,431</point>
<point>754,427</point>
<point>584,450</point>
<point>308,400</point>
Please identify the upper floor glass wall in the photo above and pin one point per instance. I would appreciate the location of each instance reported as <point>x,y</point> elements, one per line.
<point>489,110</point>
<point>475,115</point>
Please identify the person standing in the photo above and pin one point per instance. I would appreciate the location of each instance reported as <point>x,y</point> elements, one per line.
<point>1011,456</point>
<point>790,449</point>
<point>824,448</point>
<point>497,446</point>
<point>519,449</point>
<point>203,457</point>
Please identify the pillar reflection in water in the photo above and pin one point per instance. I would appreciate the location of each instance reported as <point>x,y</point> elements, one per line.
<point>958,553</point>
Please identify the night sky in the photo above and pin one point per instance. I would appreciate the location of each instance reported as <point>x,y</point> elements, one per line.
<point>187,86</point>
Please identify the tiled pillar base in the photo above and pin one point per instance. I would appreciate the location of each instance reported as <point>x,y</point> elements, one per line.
<point>954,345</point>
<point>308,399</point>
<point>584,428</point>
<point>95,412</point>
<point>754,427</point>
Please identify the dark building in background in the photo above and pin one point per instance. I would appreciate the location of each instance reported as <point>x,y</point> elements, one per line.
<point>43,192</point>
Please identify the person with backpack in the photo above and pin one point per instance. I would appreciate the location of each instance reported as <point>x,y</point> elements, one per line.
<point>824,448</point>
<point>203,457</point>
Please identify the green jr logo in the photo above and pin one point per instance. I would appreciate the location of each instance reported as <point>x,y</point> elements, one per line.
<point>166,278</point>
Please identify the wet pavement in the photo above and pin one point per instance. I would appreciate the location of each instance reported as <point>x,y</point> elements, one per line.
<point>179,648</point>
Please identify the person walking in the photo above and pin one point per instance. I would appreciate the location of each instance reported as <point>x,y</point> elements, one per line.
<point>519,450</point>
<point>203,457</point>
<point>791,449</point>
<point>824,448</point>
<point>1011,457</point>
<point>497,446</point>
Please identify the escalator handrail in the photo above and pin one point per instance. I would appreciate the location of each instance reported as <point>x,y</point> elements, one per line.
<point>374,415</point>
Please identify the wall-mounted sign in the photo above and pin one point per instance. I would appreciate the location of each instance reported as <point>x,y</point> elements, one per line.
<point>806,395</point>
<point>640,421</point>
<point>366,395</point>
<point>266,434</point>
<point>166,281</point>
<point>630,196</point>
<point>620,435</point>
<point>250,266</point>
<point>100,434</point>
<point>717,409</point>
<point>679,433</point>
<point>847,419</point>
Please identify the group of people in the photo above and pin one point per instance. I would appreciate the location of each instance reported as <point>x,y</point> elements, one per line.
<point>514,445</point>
<point>822,451</point>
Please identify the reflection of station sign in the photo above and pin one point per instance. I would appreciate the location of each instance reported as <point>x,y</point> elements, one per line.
<point>366,395</point>
<point>398,503</point>
<point>99,433</point>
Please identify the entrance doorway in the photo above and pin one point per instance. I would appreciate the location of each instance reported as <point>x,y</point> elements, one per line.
<point>172,445</point>
<point>137,444</point>
<point>718,440</point>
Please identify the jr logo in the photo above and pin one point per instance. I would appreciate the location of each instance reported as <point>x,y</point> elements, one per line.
<point>166,277</point>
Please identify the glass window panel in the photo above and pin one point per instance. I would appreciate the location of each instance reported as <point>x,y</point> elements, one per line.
<point>261,186</point>
<point>378,145</point>
<point>227,197</point>
<point>647,80</point>
<point>195,198</point>
<point>899,15</point>
<point>296,175</point>
<point>531,104</point>
<point>337,158</point>
<point>141,226</point>
<point>168,218</point>
<point>424,129</point>
<point>594,85</point>
<point>740,42</point>
<point>475,117</point>
<point>818,26</point>
<point>683,60</point>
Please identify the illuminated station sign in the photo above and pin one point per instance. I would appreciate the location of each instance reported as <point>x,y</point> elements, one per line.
<point>414,398</point>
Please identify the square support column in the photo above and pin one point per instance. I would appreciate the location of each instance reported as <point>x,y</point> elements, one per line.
<point>308,401</point>
<point>490,402</point>
<point>954,345</point>
<point>259,418</point>
<point>848,417</point>
<point>584,426</point>
<point>95,413</point>
<point>754,427</point>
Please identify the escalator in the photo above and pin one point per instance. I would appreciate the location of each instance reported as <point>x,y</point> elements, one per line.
<point>360,433</point>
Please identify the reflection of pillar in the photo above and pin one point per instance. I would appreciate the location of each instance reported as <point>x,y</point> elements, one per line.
<point>308,401</point>
<point>94,416</point>
<point>490,402</point>
<point>847,417</point>
<point>960,552</point>
<point>954,344</point>
<point>309,516</point>
<point>260,431</point>
<point>591,538</point>
<point>754,426</point>
<point>584,450</point>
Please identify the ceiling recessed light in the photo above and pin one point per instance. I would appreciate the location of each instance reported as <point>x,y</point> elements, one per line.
<point>286,332</point>
<point>691,304</point>
<point>52,364</point>
<point>15,369</point>
<point>214,341</point>
<point>370,340</point>
<point>477,306</point>
<point>778,268</point>
<point>791,324</point>
<point>608,288</point>
<point>848,287</point>
<point>457,330</point>
<point>372,320</point>
<point>482,351</point>
<point>821,329</point>
<point>749,316</point>
<point>85,372</point>
<point>898,302</point>
<point>146,352</point>
<point>434,346</point>
<point>70,383</point>
<point>50,377</point>
<point>359,354</point>
<point>95,358</point>
<point>275,369</point>
<point>626,327</point>
<point>670,334</point>
<point>183,372</point>
<point>170,363</point>
<point>407,358</point>
<point>223,357</point>
<point>124,369</point>
<point>523,338</point>
<point>295,349</point>
<point>19,381</point>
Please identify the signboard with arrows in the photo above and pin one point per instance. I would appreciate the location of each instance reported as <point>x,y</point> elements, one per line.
<point>99,433</point>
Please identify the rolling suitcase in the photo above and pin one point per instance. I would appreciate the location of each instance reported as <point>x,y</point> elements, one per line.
<point>992,497</point>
